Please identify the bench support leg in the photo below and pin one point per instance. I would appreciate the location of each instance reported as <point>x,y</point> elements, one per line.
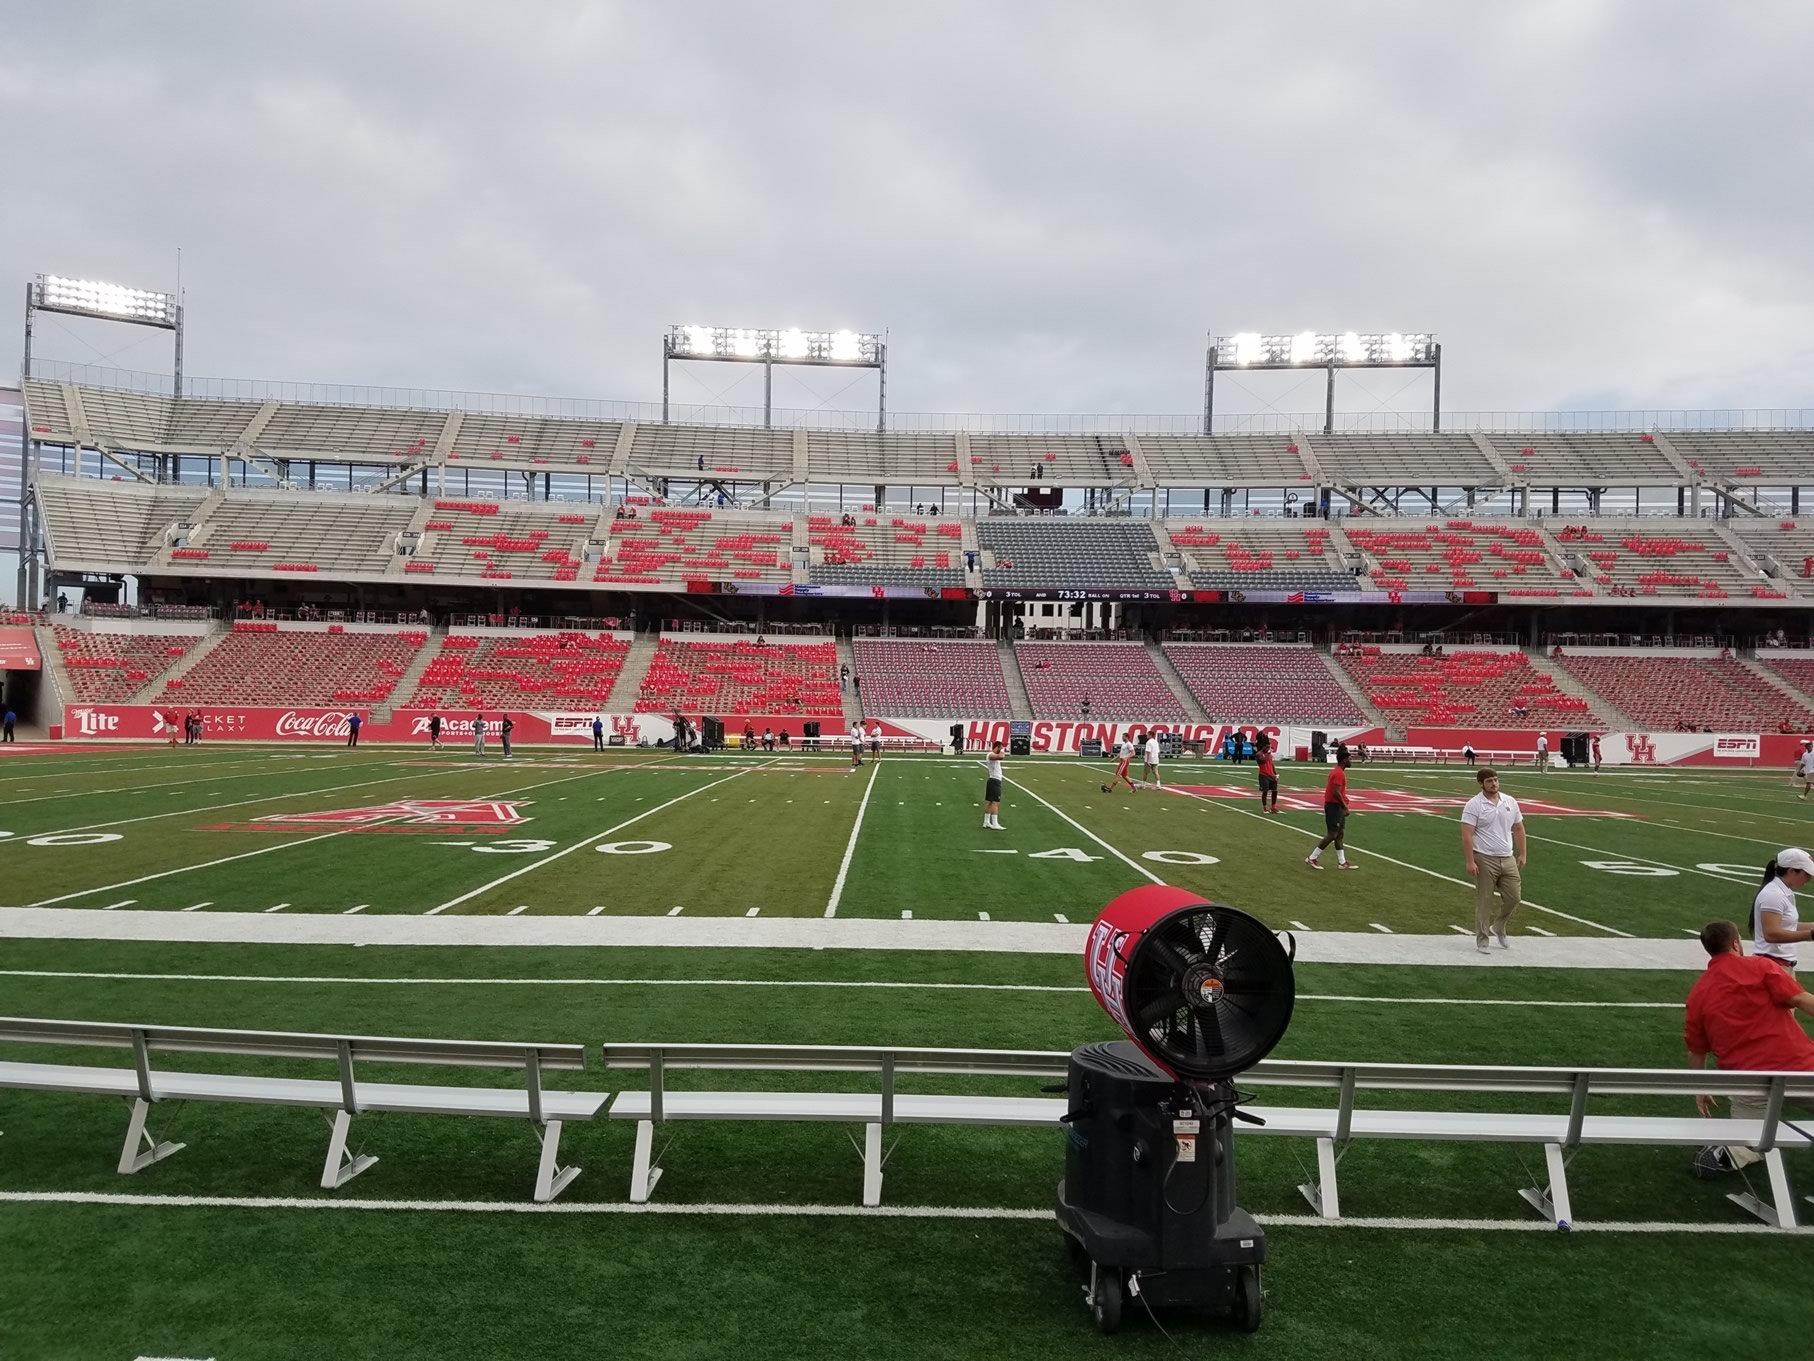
<point>142,1149</point>
<point>550,1177</point>
<point>1552,1201</point>
<point>643,1174</point>
<point>872,1165</point>
<point>340,1169</point>
<point>1323,1194</point>
<point>1780,1208</point>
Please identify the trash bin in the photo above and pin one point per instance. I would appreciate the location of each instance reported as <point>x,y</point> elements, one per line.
<point>1300,753</point>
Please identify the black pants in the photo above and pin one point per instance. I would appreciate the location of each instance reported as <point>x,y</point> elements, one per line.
<point>7,736</point>
<point>352,738</point>
<point>598,741</point>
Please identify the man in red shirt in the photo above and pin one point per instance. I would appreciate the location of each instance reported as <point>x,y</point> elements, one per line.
<point>1335,814</point>
<point>1269,774</point>
<point>1739,1011</point>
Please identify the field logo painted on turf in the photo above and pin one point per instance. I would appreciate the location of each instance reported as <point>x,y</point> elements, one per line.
<point>411,812</point>
<point>1389,801</point>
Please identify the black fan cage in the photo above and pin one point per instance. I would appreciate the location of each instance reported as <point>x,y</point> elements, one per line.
<point>1209,991</point>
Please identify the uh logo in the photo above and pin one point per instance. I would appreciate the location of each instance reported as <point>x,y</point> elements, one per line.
<point>1640,748</point>
<point>628,727</point>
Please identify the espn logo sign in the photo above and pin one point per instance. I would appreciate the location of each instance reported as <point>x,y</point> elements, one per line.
<point>1738,748</point>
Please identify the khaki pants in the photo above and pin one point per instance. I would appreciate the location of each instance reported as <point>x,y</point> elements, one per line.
<point>1746,1108</point>
<point>1494,874</point>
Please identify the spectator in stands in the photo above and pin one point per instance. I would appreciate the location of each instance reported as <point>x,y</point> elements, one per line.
<point>992,790</point>
<point>702,463</point>
<point>1775,919</point>
<point>1739,1012</point>
<point>434,732</point>
<point>1335,814</point>
<point>856,685</point>
<point>478,734</point>
<point>843,679</point>
<point>62,603</point>
<point>761,641</point>
<point>1493,853</point>
<point>352,728</point>
<point>970,559</point>
<point>1086,706</point>
<point>506,726</point>
<point>6,724</point>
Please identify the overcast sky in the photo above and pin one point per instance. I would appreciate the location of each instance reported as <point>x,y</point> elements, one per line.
<point>1047,205</point>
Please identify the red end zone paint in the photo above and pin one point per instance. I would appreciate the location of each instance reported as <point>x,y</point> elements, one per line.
<point>1387,801</point>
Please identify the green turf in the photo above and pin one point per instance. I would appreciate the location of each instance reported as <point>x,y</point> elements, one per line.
<point>103,1281</point>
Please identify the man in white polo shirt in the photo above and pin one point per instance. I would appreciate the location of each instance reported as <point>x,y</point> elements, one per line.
<point>1493,850</point>
<point>1542,751</point>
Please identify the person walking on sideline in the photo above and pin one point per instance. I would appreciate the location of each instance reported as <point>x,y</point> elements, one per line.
<point>1775,919</point>
<point>352,729</point>
<point>478,734</point>
<point>1335,815</point>
<point>434,732</point>
<point>6,727</point>
<point>1804,769</point>
<point>856,744</point>
<point>1150,755</point>
<point>1739,1012</point>
<point>598,733</point>
<point>1124,757</point>
<point>1542,751</point>
<point>1596,742</point>
<point>506,726</point>
<point>1269,774</point>
<point>1493,853</point>
<point>992,790</point>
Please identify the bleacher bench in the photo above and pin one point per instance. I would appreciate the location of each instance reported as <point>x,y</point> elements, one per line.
<point>338,1098</point>
<point>1560,1134</point>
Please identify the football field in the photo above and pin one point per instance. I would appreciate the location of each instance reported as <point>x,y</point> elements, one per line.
<point>636,896</point>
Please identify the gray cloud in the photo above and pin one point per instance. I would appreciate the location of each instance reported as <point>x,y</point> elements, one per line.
<point>1594,203</point>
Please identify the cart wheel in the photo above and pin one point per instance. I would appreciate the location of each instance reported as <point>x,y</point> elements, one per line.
<point>1105,1306</point>
<point>1249,1306</point>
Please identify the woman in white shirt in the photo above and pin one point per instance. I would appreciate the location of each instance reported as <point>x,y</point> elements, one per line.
<point>1775,919</point>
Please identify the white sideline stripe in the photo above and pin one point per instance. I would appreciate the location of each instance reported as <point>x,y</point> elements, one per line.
<point>850,847</point>
<point>1539,931</point>
<point>1383,930</point>
<point>358,908</point>
<point>124,902</point>
<point>198,907</point>
<point>503,879</point>
<point>747,1211</point>
<point>1134,865</point>
<point>1460,930</point>
<point>1226,806</point>
<point>595,911</point>
<point>277,907</point>
<point>313,980</point>
<point>518,910</point>
<point>1300,926</point>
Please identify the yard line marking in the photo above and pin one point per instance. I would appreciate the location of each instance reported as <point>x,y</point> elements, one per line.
<point>1386,930</point>
<point>124,902</point>
<point>1061,919</point>
<point>503,879</point>
<point>982,916</point>
<point>198,907</point>
<point>1300,926</point>
<point>313,980</point>
<point>1132,864</point>
<point>1689,930</point>
<point>850,847</point>
<point>360,907</point>
<point>1460,930</point>
<point>595,911</point>
<point>754,911</point>
<point>1403,864</point>
<point>1031,1214</point>
<point>1646,860</point>
<point>676,911</point>
<point>907,915</point>
<point>278,908</point>
<point>518,910</point>
<point>1539,931</point>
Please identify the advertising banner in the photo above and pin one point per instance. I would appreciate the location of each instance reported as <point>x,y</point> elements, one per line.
<point>19,650</point>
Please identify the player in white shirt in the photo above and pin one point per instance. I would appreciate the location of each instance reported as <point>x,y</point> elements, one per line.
<point>856,744</point>
<point>1151,757</point>
<point>1542,751</point>
<point>1493,852</point>
<point>1804,769</point>
<point>1775,918</point>
<point>992,790</point>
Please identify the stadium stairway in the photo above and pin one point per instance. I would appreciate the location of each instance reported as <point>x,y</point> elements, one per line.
<point>1778,680</point>
<point>152,692</point>
<point>1175,683</point>
<point>847,656</point>
<point>1605,712</point>
<point>1391,726</point>
<point>1019,705</point>
<point>62,690</point>
<point>1552,547</point>
<point>412,678</point>
<point>635,669</point>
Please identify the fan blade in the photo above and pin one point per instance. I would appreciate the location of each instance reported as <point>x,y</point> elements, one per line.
<point>1159,1008</point>
<point>1173,958</point>
<point>1220,929</point>
<point>1199,1041</point>
<point>1211,1025</point>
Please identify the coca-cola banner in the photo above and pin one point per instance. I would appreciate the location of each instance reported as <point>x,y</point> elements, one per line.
<point>114,722</point>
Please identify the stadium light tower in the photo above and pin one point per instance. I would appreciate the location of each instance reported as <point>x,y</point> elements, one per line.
<point>1315,350</point>
<point>815,349</point>
<point>105,302</point>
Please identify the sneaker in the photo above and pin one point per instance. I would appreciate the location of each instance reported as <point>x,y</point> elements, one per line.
<point>999,828</point>
<point>1314,864</point>
<point>1480,945</point>
<point>1499,935</point>
<point>1712,1160</point>
<point>1347,865</point>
